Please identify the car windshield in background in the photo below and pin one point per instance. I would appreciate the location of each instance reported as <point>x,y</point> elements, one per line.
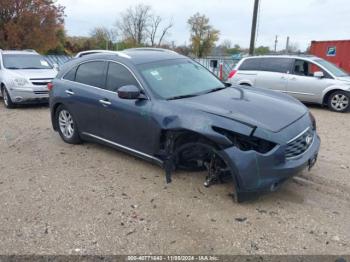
<point>336,71</point>
<point>16,61</point>
<point>181,78</point>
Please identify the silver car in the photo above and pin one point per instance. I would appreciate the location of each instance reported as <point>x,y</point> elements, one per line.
<point>307,78</point>
<point>24,76</point>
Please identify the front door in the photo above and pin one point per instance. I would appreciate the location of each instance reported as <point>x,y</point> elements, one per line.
<point>126,122</point>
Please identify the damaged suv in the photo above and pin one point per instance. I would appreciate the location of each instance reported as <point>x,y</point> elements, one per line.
<point>166,108</point>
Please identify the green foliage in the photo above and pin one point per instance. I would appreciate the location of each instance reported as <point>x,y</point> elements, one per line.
<point>203,35</point>
<point>262,50</point>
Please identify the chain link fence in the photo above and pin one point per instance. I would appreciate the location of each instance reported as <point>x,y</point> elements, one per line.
<point>214,64</point>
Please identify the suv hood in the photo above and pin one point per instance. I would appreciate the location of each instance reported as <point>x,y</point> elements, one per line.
<point>35,73</point>
<point>257,107</point>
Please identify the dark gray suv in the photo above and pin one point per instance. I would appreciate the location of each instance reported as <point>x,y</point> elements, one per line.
<point>166,108</point>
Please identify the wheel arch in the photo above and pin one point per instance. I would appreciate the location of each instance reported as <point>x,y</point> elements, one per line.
<point>328,93</point>
<point>53,114</point>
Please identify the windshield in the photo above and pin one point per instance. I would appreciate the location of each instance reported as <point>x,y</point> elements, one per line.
<point>17,61</point>
<point>179,78</point>
<point>336,71</point>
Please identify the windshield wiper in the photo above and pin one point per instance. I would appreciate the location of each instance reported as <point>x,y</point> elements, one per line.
<point>215,89</point>
<point>12,67</point>
<point>182,96</point>
<point>32,68</point>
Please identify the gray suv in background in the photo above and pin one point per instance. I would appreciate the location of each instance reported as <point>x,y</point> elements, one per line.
<point>307,78</point>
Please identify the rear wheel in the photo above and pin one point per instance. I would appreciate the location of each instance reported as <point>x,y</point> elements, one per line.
<point>339,101</point>
<point>67,127</point>
<point>7,99</point>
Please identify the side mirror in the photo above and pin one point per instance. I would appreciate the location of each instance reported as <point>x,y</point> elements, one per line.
<point>129,92</point>
<point>318,74</point>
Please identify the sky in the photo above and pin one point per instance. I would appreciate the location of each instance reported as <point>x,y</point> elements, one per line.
<point>301,20</point>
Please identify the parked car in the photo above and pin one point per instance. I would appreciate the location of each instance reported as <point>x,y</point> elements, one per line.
<point>24,76</point>
<point>170,110</point>
<point>307,78</point>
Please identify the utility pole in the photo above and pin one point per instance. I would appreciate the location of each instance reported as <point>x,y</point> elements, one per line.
<point>276,41</point>
<point>253,32</point>
<point>287,45</point>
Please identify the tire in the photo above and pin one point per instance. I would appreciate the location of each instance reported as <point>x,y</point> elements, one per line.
<point>339,101</point>
<point>7,99</point>
<point>66,126</point>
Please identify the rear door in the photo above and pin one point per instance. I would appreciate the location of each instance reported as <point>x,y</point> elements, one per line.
<point>303,85</point>
<point>273,73</point>
<point>83,92</point>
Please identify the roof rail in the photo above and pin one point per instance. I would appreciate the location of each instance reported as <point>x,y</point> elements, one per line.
<point>150,49</point>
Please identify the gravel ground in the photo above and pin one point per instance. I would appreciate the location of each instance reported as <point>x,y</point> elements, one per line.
<point>89,199</point>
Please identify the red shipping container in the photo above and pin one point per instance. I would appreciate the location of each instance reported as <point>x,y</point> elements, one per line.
<point>337,52</point>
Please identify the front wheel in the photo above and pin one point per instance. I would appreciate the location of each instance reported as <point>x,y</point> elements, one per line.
<point>67,127</point>
<point>339,101</point>
<point>7,99</point>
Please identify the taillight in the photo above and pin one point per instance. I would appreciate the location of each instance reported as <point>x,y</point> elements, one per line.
<point>232,74</point>
<point>50,86</point>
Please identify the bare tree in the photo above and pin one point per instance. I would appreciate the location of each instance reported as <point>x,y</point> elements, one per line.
<point>153,28</point>
<point>164,32</point>
<point>140,26</point>
<point>134,23</point>
<point>103,37</point>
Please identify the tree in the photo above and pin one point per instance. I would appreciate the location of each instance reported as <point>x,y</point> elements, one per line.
<point>103,37</point>
<point>139,26</point>
<point>133,23</point>
<point>203,35</point>
<point>31,24</point>
<point>262,50</point>
<point>155,21</point>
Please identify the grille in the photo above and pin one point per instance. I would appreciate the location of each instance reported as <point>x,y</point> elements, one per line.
<point>300,144</point>
<point>40,81</point>
<point>41,92</point>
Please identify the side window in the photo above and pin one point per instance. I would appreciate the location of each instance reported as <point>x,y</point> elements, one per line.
<point>71,74</point>
<point>305,68</point>
<point>252,64</point>
<point>91,73</point>
<point>119,76</point>
<point>279,65</point>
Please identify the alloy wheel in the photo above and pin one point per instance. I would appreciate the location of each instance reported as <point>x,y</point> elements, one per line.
<point>5,97</point>
<point>339,102</point>
<point>66,124</point>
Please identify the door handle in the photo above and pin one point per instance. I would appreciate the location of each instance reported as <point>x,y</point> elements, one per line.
<point>69,92</point>
<point>104,102</point>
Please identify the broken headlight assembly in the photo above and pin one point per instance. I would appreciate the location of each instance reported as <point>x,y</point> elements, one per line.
<point>246,143</point>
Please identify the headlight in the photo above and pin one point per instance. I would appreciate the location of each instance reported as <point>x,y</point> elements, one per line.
<point>246,143</point>
<point>313,121</point>
<point>19,81</point>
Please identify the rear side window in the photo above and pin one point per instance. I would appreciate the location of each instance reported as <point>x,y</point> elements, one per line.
<point>71,74</point>
<point>250,64</point>
<point>280,65</point>
<point>91,73</point>
<point>119,76</point>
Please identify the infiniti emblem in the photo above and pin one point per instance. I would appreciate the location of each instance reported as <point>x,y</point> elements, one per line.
<point>308,140</point>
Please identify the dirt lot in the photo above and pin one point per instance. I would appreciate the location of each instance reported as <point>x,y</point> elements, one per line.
<point>88,199</point>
